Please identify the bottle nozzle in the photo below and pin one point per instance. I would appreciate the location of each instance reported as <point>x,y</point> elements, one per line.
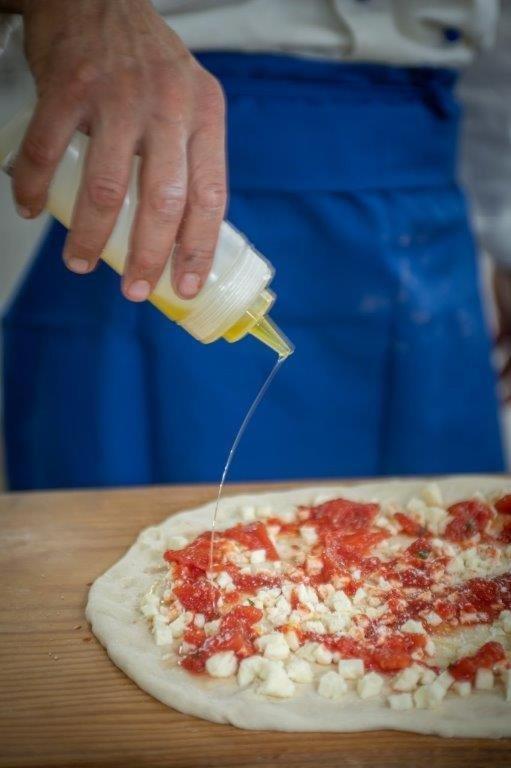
<point>270,334</point>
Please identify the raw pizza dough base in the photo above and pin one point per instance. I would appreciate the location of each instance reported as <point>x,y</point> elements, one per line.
<point>114,613</point>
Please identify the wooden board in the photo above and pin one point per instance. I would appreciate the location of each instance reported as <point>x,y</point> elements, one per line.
<point>63,703</point>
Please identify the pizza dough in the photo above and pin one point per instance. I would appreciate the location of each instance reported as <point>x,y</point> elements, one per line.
<point>113,610</point>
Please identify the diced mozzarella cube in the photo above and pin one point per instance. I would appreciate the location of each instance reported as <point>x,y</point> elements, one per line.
<point>484,680</point>
<point>278,614</point>
<point>264,512</point>
<point>455,565</point>
<point>306,595</point>
<point>432,495</point>
<point>223,580</point>
<point>369,685</point>
<point>334,622</point>
<point>273,645</point>
<point>308,534</point>
<point>430,647</point>
<point>436,519</point>
<point>462,688</point>
<point>299,670</point>
<point>323,655</point>
<point>332,686</point>
<point>360,596</point>
<point>340,602</point>
<point>277,683</point>
<point>445,680</point>
<point>400,701</point>
<point>507,683</point>
<point>162,631</point>
<point>178,626</point>
<point>417,509</point>
<point>292,640</point>
<point>257,556</point>
<point>199,620</point>
<point>505,621</point>
<point>435,693</point>
<point>314,626</point>
<point>427,675</point>
<point>222,664</point>
<point>212,627</point>
<point>412,626</point>
<point>177,542</point>
<point>150,605</point>
<point>248,514</point>
<point>351,669</point>
<point>433,618</point>
<point>407,679</point>
<point>249,669</point>
<point>420,697</point>
<point>308,651</point>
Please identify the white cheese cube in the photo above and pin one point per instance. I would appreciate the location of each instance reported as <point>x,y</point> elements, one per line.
<point>332,686</point>
<point>400,701</point>
<point>369,685</point>
<point>273,645</point>
<point>150,605</point>
<point>360,596</point>
<point>505,621</point>
<point>277,684</point>
<point>407,679</point>
<point>428,675</point>
<point>178,626</point>
<point>212,627</point>
<point>224,580</point>
<point>351,669</point>
<point>278,614</point>
<point>417,509</point>
<point>308,534</point>
<point>455,565</point>
<point>306,595</point>
<point>507,683</point>
<point>340,602</point>
<point>484,680</point>
<point>177,542</point>
<point>292,640</point>
<point>323,655</point>
<point>433,618</point>
<point>436,519</point>
<point>308,651</point>
<point>248,514</point>
<point>420,697</point>
<point>435,694</point>
<point>249,669</point>
<point>335,622</point>
<point>432,495</point>
<point>462,688</point>
<point>264,512</point>
<point>445,680</point>
<point>412,626</point>
<point>299,670</point>
<point>314,626</point>
<point>162,631</point>
<point>199,620</point>
<point>430,647</point>
<point>223,664</point>
<point>257,556</point>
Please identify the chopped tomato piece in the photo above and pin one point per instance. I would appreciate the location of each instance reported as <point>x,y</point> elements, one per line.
<point>344,515</point>
<point>396,652</point>
<point>413,577</point>
<point>344,550</point>
<point>409,526</point>
<point>470,517</point>
<point>194,635</point>
<point>253,536</point>
<point>199,596</point>
<point>251,583</point>
<point>505,534</point>
<point>420,549</point>
<point>503,505</point>
<point>488,655</point>
<point>196,554</point>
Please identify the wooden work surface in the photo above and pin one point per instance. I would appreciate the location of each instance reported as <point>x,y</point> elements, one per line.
<point>63,703</point>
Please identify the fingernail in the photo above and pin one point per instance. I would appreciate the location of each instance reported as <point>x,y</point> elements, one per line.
<point>189,285</point>
<point>80,266</point>
<point>25,213</point>
<point>138,290</point>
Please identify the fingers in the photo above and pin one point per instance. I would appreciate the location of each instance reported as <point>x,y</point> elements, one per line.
<point>46,139</point>
<point>206,201</point>
<point>104,185</point>
<point>162,201</point>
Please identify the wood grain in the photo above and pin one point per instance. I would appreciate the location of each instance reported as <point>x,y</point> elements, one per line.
<point>63,703</point>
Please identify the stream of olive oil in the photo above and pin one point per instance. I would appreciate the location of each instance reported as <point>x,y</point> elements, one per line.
<point>237,439</point>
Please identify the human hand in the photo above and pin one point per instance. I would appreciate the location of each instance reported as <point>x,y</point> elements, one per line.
<point>115,70</point>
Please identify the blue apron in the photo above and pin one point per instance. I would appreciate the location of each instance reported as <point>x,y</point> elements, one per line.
<point>344,177</point>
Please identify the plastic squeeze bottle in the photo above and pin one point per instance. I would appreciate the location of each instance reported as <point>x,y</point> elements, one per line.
<point>235,299</point>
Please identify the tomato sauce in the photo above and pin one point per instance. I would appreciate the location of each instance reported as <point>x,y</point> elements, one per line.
<point>488,655</point>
